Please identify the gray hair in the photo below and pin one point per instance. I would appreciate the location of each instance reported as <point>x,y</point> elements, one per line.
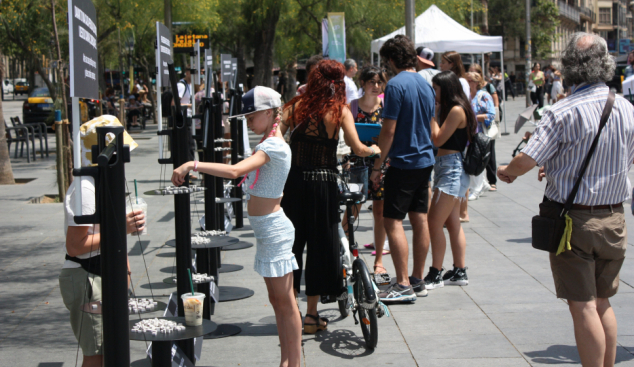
<point>586,60</point>
<point>349,64</point>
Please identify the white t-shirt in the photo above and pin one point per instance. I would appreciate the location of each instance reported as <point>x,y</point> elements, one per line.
<point>88,207</point>
<point>465,88</point>
<point>428,74</point>
<point>351,90</point>
<point>184,93</point>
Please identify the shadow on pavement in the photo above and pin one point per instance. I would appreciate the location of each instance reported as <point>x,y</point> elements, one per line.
<point>342,343</point>
<point>567,354</point>
<point>520,240</point>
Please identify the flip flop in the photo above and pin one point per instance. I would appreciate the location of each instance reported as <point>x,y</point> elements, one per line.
<point>314,328</point>
<point>380,267</point>
<point>493,188</point>
<point>369,246</point>
<point>385,252</point>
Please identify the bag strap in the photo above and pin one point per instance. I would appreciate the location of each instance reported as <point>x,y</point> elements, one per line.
<point>607,110</point>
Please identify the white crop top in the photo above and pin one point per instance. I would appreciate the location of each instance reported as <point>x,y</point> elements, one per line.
<point>272,176</point>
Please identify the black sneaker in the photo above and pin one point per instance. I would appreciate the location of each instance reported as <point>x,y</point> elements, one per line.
<point>449,273</point>
<point>433,279</point>
<point>398,293</point>
<point>459,277</point>
<point>418,285</point>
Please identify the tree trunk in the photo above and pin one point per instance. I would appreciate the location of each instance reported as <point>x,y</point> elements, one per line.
<point>290,89</point>
<point>6,172</point>
<point>484,29</point>
<point>242,68</point>
<point>263,53</point>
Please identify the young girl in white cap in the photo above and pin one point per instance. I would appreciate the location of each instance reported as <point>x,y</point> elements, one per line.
<point>266,171</point>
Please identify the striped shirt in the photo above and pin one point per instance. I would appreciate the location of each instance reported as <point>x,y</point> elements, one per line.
<point>563,138</point>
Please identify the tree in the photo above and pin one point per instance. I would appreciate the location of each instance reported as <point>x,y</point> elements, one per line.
<point>22,28</point>
<point>508,18</point>
<point>6,172</point>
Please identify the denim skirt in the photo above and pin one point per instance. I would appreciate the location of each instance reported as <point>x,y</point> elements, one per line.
<point>449,176</point>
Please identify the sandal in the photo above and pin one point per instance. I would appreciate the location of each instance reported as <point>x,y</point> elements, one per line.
<point>493,188</point>
<point>369,246</point>
<point>314,328</point>
<point>380,267</point>
<point>385,252</point>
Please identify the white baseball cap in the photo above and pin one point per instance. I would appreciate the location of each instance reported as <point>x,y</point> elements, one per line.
<point>259,99</point>
<point>426,56</point>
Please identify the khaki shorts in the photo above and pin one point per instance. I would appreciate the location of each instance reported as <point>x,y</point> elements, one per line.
<point>79,287</point>
<point>591,269</point>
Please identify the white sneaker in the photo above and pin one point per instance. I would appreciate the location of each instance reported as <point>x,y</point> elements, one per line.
<point>473,197</point>
<point>486,186</point>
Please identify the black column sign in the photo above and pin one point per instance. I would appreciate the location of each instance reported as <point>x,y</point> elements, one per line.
<point>164,42</point>
<point>225,66</point>
<point>234,69</point>
<point>82,28</point>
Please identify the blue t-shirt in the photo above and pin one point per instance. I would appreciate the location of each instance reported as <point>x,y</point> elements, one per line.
<point>410,100</point>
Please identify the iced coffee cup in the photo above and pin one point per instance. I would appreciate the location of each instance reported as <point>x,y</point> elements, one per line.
<point>193,306</point>
<point>137,204</point>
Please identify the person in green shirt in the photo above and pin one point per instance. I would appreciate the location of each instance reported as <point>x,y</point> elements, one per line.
<point>537,77</point>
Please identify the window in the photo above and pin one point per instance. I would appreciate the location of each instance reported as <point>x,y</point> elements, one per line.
<point>605,16</point>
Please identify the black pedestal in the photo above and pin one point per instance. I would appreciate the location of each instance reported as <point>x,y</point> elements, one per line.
<point>237,246</point>
<point>228,293</point>
<point>223,331</point>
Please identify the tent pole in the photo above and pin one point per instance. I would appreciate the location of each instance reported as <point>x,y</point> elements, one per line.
<point>503,86</point>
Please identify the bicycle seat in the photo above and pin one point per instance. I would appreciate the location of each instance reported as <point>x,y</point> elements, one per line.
<point>346,196</point>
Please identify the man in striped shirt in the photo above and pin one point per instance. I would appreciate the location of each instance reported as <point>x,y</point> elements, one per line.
<point>587,274</point>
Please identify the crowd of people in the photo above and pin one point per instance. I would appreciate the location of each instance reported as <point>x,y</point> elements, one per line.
<point>414,169</point>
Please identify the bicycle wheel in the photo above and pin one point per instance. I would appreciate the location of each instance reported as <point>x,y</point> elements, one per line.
<point>366,300</point>
<point>343,303</point>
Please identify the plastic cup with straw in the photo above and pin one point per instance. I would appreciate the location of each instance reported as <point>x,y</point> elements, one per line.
<point>193,305</point>
<point>136,192</point>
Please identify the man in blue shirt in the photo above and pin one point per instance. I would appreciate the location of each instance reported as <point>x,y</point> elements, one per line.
<point>406,135</point>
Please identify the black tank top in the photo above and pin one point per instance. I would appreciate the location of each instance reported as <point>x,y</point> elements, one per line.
<point>457,141</point>
<point>311,147</point>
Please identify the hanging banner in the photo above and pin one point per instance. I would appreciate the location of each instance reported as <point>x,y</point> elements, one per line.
<point>164,45</point>
<point>199,74</point>
<point>234,70</point>
<point>226,67</point>
<point>82,32</point>
<point>337,37</point>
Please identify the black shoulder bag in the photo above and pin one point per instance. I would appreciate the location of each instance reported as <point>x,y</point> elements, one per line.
<point>549,229</point>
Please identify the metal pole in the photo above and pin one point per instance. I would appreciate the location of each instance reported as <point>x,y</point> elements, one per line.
<point>77,152</point>
<point>159,75</point>
<point>528,51</point>
<point>410,22</point>
<point>192,100</point>
<point>471,14</point>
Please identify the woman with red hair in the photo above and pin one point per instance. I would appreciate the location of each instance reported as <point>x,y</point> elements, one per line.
<point>310,195</point>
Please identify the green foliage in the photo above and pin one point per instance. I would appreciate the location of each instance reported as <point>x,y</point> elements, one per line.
<point>508,18</point>
<point>299,31</point>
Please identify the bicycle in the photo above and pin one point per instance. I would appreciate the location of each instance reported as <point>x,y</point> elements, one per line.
<point>360,292</point>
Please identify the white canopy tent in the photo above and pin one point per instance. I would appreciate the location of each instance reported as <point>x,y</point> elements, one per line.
<point>439,32</point>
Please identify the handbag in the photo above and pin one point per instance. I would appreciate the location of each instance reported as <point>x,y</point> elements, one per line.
<point>548,228</point>
<point>493,130</point>
<point>475,160</point>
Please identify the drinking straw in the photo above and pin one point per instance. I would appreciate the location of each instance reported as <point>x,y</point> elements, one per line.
<point>136,191</point>
<point>191,284</point>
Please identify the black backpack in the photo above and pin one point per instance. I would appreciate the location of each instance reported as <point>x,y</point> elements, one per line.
<point>166,103</point>
<point>478,154</point>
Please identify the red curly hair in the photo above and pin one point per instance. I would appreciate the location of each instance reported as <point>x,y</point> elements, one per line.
<point>318,100</point>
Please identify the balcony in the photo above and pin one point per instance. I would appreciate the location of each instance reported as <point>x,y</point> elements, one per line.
<point>570,12</point>
<point>587,14</point>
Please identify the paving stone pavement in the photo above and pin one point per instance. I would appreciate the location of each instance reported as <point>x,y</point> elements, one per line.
<point>507,316</point>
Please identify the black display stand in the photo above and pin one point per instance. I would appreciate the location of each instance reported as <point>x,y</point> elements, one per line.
<point>180,141</point>
<point>237,149</point>
<point>110,198</point>
<point>162,343</point>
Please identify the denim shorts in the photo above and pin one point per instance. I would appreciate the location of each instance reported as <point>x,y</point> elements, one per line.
<point>449,176</point>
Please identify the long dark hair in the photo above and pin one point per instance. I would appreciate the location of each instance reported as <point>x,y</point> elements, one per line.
<point>455,60</point>
<point>369,72</point>
<point>451,94</point>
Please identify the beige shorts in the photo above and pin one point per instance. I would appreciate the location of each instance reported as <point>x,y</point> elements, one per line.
<point>79,287</point>
<point>591,269</point>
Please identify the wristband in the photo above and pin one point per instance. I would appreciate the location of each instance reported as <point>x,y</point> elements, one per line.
<point>373,153</point>
<point>195,166</point>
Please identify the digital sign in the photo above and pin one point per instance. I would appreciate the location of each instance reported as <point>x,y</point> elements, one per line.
<point>188,41</point>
